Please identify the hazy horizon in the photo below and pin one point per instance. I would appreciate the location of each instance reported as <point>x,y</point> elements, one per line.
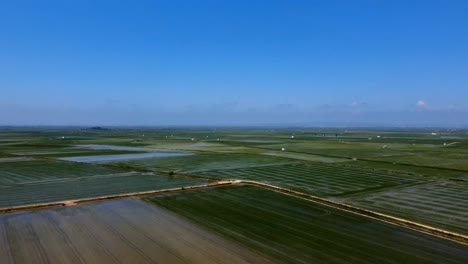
<point>240,63</point>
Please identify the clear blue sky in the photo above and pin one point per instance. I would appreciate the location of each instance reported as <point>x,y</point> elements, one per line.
<point>236,62</point>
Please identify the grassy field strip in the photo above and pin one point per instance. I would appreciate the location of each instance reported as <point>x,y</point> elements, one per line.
<point>15,159</point>
<point>440,201</point>
<point>303,156</point>
<point>369,159</point>
<point>460,238</point>
<point>82,188</point>
<point>249,166</point>
<point>123,174</point>
<point>115,196</point>
<point>318,178</point>
<point>22,171</point>
<point>210,161</point>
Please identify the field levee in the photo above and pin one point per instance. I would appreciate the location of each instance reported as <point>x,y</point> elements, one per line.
<point>383,217</point>
<point>119,231</point>
<point>112,197</point>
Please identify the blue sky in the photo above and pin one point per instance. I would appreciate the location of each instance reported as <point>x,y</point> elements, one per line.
<point>234,62</point>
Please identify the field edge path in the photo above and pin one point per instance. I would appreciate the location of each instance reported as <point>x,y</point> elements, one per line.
<point>437,232</point>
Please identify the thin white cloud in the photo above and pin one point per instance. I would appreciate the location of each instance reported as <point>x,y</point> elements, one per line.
<point>421,104</point>
<point>357,104</point>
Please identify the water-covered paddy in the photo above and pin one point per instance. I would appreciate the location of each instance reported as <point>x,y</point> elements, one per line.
<point>122,157</point>
<point>147,153</point>
<point>114,147</point>
<point>123,231</point>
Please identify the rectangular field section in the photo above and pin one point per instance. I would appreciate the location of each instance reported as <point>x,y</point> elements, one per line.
<point>201,162</point>
<point>124,231</point>
<point>31,182</point>
<point>19,172</point>
<point>318,178</point>
<point>293,230</point>
<point>443,204</point>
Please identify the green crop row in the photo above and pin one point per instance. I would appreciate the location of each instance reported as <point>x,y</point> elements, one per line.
<point>209,161</point>
<point>440,204</point>
<point>317,178</point>
<point>88,187</point>
<point>39,170</point>
<point>297,231</point>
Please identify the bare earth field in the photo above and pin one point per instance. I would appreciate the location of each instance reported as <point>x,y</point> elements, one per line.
<point>123,231</point>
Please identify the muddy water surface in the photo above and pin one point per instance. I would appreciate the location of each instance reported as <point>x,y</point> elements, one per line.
<point>124,231</point>
<point>147,153</point>
<point>122,157</point>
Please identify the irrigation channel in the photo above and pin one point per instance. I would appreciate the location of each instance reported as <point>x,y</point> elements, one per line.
<point>456,237</point>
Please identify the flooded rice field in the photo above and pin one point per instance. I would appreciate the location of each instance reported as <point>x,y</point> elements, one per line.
<point>147,153</point>
<point>113,147</point>
<point>123,157</point>
<point>123,231</point>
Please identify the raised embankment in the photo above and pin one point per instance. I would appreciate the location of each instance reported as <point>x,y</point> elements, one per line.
<point>111,197</point>
<point>463,239</point>
<point>367,213</point>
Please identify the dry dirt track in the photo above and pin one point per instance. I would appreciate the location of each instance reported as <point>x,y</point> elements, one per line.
<point>122,231</point>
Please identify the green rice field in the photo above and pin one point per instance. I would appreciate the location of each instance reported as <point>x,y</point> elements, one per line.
<point>442,204</point>
<point>39,181</point>
<point>40,170</point>
<point>319,178</point>
<point>207,161</point>
<point>408,174</point>
<point>292,230</point>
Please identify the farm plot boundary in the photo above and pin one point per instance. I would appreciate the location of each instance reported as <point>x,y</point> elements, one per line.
<point>456,237</point>
<point>292,230</point>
